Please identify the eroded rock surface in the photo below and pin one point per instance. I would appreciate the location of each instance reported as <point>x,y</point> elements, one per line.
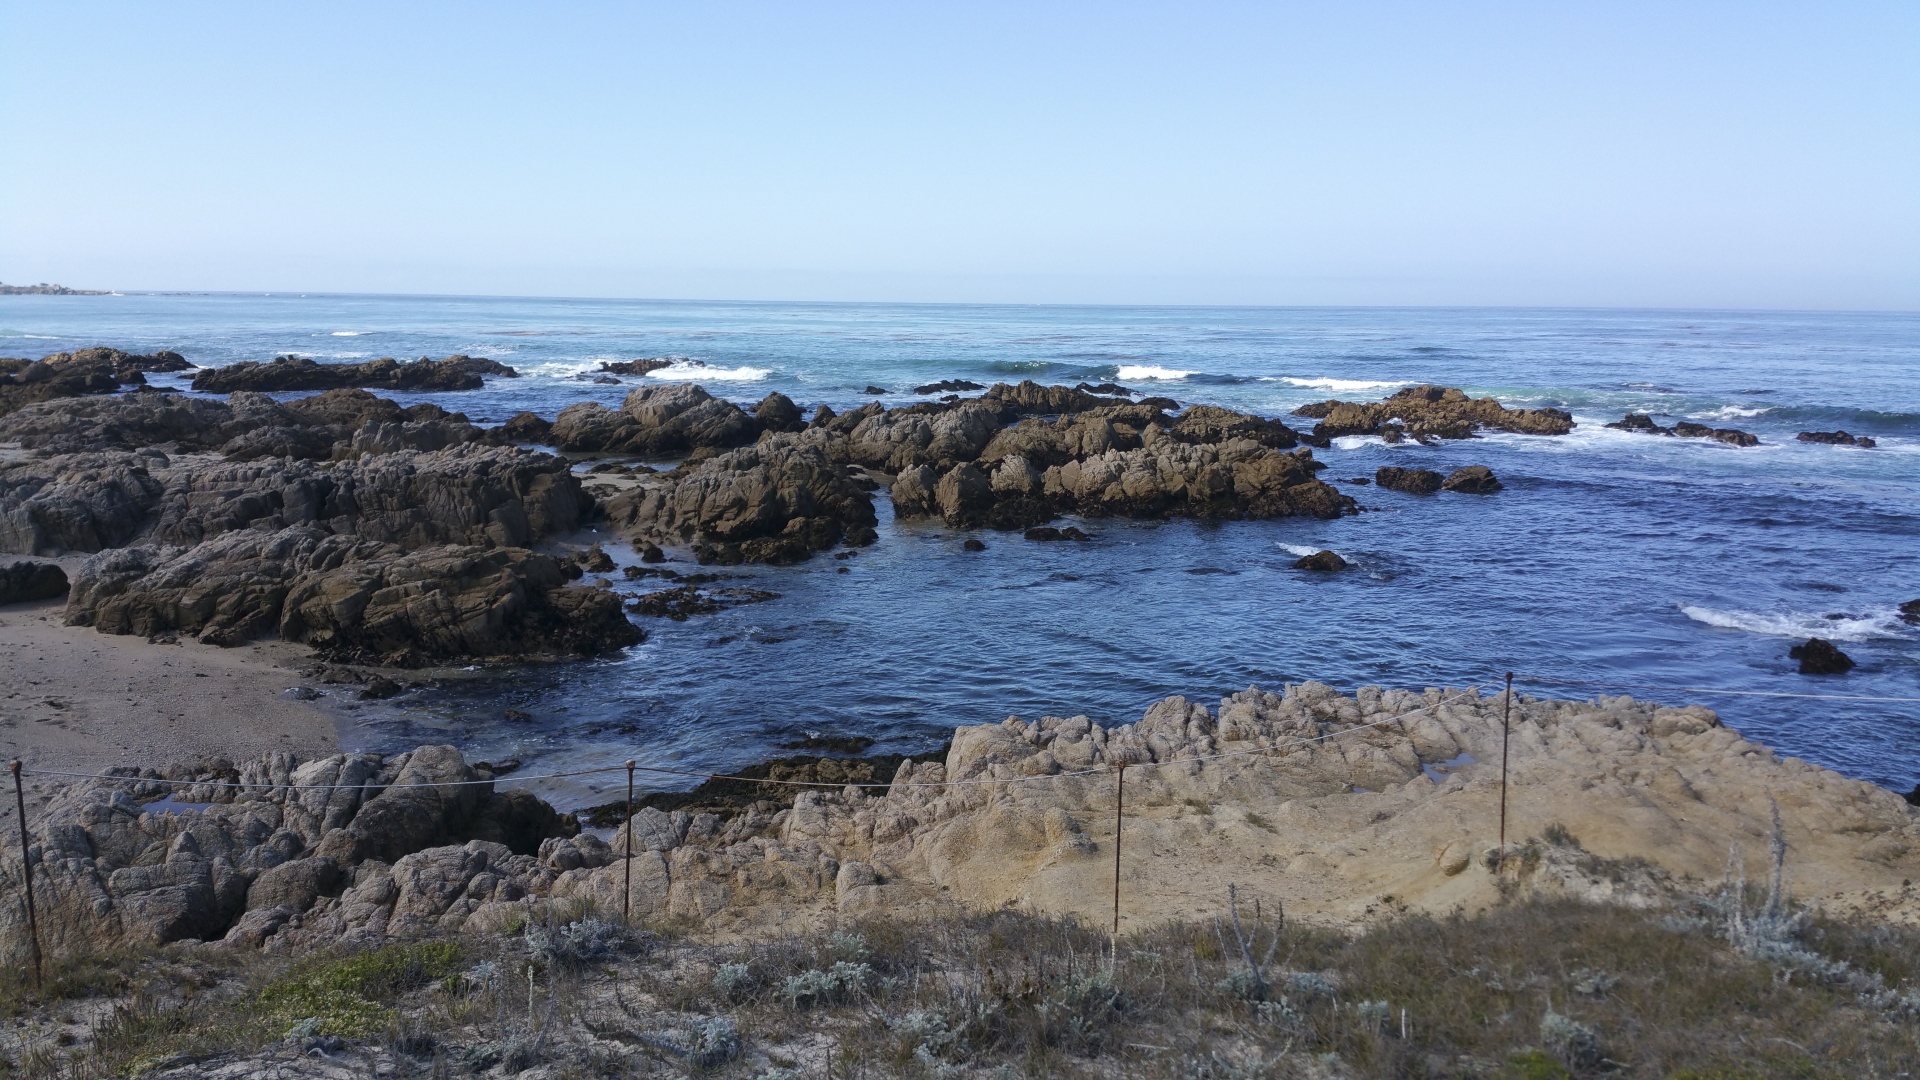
<point>86,371</point>
<point>25,582</point>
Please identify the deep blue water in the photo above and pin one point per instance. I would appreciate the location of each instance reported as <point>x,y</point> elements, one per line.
<point>1609,556</point>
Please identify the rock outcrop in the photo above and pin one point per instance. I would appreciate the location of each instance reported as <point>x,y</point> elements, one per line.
<point>636,367</point>
<point>655,420</point>
<point>290,373</point>
<point>778,501</point>
<point>1685,429</point>
<point>1411,481</point>
<point>75,374</point>
<point>1837,438</point>
<point>352,598</point>
<point>1472,480</point>
<point>1431,412</point>
<point>1322,801</point>
<point>1325,561</point>
<point>26,582</point>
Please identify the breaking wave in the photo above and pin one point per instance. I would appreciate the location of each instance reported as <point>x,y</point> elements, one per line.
<point>693,370</point>
<point>1138,372</point>
<point>1838,626</point>
<point>1343,385</point>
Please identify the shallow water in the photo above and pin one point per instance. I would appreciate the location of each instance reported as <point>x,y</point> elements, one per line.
<point>1609,556</point>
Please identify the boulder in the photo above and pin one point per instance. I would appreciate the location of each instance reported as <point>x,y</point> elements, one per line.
<point>25,582</point>
<point>522,428</point>
<point>1820,657</point>
<point>1430,412</point>
<point>289,373</point>
<point>1411,481</point>
<point>295,885</point>
<point>82,502</point>
<point>1910,612</point>
<point>1472,480</point>
<point>1321,560</point>
<point>777,412</point>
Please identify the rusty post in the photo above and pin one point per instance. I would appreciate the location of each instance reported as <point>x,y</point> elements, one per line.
<point>1506,734</point>
<point>626,894</point>
<point>26,868</point>
<point>1119,817</point>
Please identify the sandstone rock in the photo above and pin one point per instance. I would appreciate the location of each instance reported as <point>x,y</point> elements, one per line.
<point>1836,438</point>
<point>1820,657</point>
<point>287,373</point>
<point>773,501</point>
<point>1411,481</point>
<point>25,582</point>
<point>1472,480</point>
<point>1321,560</point>
<point>1432,412</point>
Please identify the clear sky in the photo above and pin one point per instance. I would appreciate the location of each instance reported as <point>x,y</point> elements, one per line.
<point>1609,153</point>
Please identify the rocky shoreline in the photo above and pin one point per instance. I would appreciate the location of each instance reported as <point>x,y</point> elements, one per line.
<point>1334,803</point>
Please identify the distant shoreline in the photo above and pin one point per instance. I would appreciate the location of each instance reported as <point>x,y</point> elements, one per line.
<point>44,289</point>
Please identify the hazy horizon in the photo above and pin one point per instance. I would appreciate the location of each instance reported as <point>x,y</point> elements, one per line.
<point>1707,156</point>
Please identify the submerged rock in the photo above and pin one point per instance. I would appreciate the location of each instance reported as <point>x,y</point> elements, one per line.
<point>639,367</point>
<point>1820,657</point>
<point>1685,429</point>
<point>1836,438</point>
<point>25,582</point>
<point>285,373</point>
<point>1321,560</point>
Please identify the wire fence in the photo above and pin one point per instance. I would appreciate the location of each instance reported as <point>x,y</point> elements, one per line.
<point>1116,769</point>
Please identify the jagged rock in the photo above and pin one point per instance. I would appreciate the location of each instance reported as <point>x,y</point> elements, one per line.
<point>133,421</point>
<point>638,367</point>
<point>288,373</point>
<point>876,391</point>
<point>1321,560</point>
<point>897,439</point>
<point>1472,480</point>
<point>294,885</point>
<point>1820,657</point>
<point>948,386</point>
<point>777,412</point>
<point>1910,612</point>
<point>1029,398</point>
<point>1411,481</point>
<point>777,501</point>
<point>1432,412</point>
<point>655,420</point>
<point>83,502</point>
<point>1685,429</point>
<point>1208,424</point>
<point>1837,438</point>
<point>25,582</point>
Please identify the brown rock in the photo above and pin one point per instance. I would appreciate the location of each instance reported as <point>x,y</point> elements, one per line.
<point>1321,560</point>
<point>1472,480</point>
<point>1411,481</point>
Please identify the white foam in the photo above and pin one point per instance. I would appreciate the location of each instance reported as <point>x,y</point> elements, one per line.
<point>1347,385</point>
<point>1355,442</point>
<point>1735,412</point>
<point>348,333</point>
<point>1798,624</point>
<point>694,369</point>
<point>1138,372</point>
<point>1301,551</point>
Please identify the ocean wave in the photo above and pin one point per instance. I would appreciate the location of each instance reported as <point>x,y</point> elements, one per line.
<point>1342,385</point>
<point>694,370</point>
<point>1142,372</point>
<point>1301,550</point>
<point>1800,624</point>
<point>347,333</point>
<point>1734,412</point>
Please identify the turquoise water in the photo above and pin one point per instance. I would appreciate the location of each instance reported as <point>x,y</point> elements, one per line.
<point>1609,556</point>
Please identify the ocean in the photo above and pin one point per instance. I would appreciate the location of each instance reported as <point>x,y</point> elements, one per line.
<point>1609,557</point>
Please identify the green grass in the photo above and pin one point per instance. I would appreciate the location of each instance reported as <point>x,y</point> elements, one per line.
<point>352,996</point>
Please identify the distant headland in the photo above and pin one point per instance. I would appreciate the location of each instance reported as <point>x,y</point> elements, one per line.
<point>44,289</point>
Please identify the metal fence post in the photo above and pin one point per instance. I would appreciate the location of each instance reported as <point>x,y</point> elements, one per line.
<point>626,894</point>
<point>1506,736</point>
<point>26,867</point>
<point>1119,819</point>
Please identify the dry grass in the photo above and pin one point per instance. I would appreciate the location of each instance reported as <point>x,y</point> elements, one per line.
<point>1529,990</point>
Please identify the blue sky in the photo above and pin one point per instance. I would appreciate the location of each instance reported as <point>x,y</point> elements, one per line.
<point>1669,154</point>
